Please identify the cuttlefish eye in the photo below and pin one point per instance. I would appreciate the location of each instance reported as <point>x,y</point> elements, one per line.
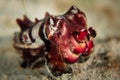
<point>92,32</point>
<point>84,38</point>
<point>81,36</point>
<point>84,35</point>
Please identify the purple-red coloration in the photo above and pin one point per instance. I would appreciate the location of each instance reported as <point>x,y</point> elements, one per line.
<point>61,39</point>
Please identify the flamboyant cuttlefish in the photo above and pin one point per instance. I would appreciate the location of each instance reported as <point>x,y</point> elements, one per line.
<point>61,40</point>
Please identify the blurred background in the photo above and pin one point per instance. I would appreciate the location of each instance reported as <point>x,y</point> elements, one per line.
<point>103,15</point>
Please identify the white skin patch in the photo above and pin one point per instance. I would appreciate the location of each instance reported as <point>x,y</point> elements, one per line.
<point>25,37</point>
<point>74,7</point>
<point>70,17</point>
<point>64,30</point>
<point>44,32</point>
<point>74,11</point>
<point>58,22</point>
<point>52,29</point>
<point>35,34</point>
<point>51,21</point>
<point>59,17</point>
